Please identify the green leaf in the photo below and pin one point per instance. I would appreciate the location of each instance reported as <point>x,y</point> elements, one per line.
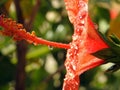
<point>111,54</point>
<point>108,55</point>
<point>113,68</point>
<point>37,52</point>
<point>115,39</point>
<point>113,42</point>
<point>7,70</point>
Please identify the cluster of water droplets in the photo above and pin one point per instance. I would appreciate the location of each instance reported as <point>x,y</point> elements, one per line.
<point>76,45</point>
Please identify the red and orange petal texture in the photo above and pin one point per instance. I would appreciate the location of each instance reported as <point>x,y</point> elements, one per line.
<point>85,41</point>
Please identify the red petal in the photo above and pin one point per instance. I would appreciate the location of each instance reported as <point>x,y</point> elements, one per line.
<point>85,41</point>
<point>71,83</point>
<point>94,42</point>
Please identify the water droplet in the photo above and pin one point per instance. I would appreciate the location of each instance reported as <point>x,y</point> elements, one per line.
<point>74,67</point>
<point>82,22</point>
<point>50,47</point>
<point>75,37</point>
<point>80,17</point>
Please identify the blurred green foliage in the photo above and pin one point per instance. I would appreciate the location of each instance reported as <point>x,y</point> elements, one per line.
<point>51,23</point>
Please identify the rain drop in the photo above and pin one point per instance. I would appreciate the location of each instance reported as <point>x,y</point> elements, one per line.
<point>50,47</point>
<point>82,22</point>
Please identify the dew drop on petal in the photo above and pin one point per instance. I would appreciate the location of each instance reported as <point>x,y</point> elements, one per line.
<point>75,37</point>
<point>50,47</point>
<point>80,17</point>
<point>82,22</point>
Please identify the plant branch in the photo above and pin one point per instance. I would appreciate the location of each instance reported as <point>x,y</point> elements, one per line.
<point>32,17</point>
<point>21,53</point>
<point>19,12</point>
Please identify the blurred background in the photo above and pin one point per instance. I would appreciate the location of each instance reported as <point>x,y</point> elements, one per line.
<point>25,66</point>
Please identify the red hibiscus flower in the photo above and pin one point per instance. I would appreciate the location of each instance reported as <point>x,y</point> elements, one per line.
<point>85,41</point>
